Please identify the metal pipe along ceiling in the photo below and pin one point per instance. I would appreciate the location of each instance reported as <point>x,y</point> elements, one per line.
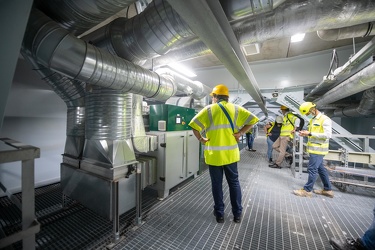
<point>77,16</point>
<point>56,49</point>
<point>153,32</point>
<point>289,18</point>
<point>363,80</point>
<point>365,108</point>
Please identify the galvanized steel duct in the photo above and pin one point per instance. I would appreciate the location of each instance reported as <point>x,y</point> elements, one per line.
<point>365,108</point>
<point>77,16</point>
<point>289,18</point>
<point>108,114</point>
<point>304,16</point>
<point>184,85</point>
<point>72,92</point>
<point>349,68</point>
<point>56,49</point>
<point>361,81</point>
<point>237,10</point>
<point>151,33</point>
<point>360,30</point>
<point>108,127</point>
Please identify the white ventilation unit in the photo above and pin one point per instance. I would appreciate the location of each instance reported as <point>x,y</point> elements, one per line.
<point>251,49</point>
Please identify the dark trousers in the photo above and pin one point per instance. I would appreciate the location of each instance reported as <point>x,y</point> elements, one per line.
<point>231,174</point>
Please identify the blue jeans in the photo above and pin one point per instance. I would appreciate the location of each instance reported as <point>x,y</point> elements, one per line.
<point>250,140</point>
<point>231,174</point>
<point>314,168</point>
<point>269,151</point>
<point>368,238</point>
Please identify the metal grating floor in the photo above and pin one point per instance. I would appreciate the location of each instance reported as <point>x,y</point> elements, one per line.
<point>273,218</point>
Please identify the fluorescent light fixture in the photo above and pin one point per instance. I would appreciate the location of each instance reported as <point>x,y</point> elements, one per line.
<point>297,37</point>
<point>182,69</point>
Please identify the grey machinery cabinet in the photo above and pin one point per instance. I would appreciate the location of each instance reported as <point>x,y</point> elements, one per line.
<point>177,159</point>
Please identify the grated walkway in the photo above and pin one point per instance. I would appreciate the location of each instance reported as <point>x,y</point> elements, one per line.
<point>273,218</point>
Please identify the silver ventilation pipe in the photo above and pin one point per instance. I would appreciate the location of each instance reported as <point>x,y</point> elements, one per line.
<point>238,10</point>
<point>304,16</point>
<point>78,16</point>
<point>108,127</point>
<point>56,49</point>
<point>349,68</point>
<point>289,18</point>
<point>360,30</point>
<point>151,33</point>
<point>72,92</point>
<point>365,108</point>
<point>140,139</point>
<point>359,82</point>
<point>184,85</point>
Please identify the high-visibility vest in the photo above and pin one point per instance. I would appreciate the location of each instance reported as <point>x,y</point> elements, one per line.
<point>288,125</point>
<point>315,145</point>
<point>222,148</point>
<point>270,128</point>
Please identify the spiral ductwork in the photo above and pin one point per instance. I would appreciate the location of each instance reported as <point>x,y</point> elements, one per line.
<point>151,33</point>
<point>365,108</point>
<point>72,92</point>
<point>78,16</point>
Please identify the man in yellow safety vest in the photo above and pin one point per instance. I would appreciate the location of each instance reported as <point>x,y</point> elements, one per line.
<point>219,127</point>
<point>290,122</point>
<point>319,132</point>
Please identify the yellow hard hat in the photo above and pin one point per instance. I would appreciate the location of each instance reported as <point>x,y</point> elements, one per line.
<point>305,107</point>
<point>220,89</point>
<point>283,107</point>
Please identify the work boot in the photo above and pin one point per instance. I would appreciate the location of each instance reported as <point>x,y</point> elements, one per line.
<point>349,244</point>
<point>328,193</point>
<point>274,165</point>
<point>303,193</point>
<point>289,159</point>
<point>219,219</point>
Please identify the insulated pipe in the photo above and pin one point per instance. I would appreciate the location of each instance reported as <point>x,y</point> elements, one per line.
<point>304,16</point>
<point>360,30</point>
<point>344,72</point>
<point>72,92</point>
<point>361,81</point>
<point>289,18</point>
<point>184,85</point>
<point>78,16</point>
<point>56,49</point>
<point>151,33</point>
<point>238,10</point>
<point>365,108</point>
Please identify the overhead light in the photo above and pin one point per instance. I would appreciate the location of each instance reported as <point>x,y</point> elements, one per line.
<point>251,49</point>
<point>297,37</point>
<point>182,69</point>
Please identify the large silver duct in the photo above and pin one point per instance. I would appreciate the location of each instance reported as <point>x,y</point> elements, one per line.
<point>365,108</point>
<point>108,127</point>
<point>58,50</point>
<point>151,33</point>
<point>72,92</point>
<point>238,10</point>
<point>361,59</point>
<point>185,86</point>
<point>363,80</point>
<point>360,30</point>
<point>77,16</point>
<point>288,19</point>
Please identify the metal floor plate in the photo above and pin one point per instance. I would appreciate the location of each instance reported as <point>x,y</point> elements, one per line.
<point>273,218</point>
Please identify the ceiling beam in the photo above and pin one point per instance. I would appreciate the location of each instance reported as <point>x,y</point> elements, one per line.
<point>208,21</point>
